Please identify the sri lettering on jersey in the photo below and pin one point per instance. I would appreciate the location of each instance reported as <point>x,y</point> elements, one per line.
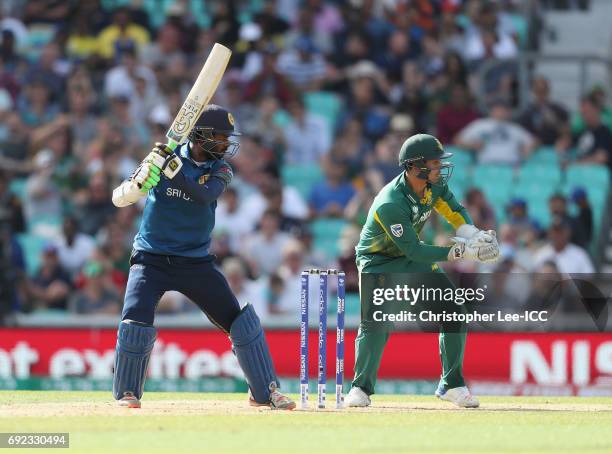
<point>172,192</point>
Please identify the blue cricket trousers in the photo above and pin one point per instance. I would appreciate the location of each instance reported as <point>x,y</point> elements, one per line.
<point>197,278</point>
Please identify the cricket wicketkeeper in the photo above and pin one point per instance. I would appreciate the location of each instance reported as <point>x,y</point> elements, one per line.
<point>389,243</point>
<point>171,252</point>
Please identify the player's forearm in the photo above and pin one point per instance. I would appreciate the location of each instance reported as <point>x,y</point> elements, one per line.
<point>127,193</point>
<point>427,253</point>
<point>199,193</point>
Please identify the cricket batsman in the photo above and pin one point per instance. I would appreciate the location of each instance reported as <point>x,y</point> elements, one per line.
<point>389,243</point>
<point>171,252</point>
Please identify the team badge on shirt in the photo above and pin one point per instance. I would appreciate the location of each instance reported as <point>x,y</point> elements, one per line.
<point>397,230</point>
<point>203,179</point>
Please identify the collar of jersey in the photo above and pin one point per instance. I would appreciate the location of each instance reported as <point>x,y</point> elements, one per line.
<point>407,190</point>
<point>184,153</point>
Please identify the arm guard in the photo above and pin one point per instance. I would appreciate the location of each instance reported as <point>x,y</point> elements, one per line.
<point>127,193</point>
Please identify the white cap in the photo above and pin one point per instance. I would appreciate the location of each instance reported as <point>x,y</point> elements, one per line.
<point>250,32</point>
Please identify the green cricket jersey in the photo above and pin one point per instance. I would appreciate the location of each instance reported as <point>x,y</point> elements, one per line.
<point>395,219</point>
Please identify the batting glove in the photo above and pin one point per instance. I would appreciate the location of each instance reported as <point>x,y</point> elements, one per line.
<point>165,159</point>
<point>146,177</point>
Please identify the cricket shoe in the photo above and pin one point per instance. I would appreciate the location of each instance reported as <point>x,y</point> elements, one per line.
<point>461,396</point>
<point>357,398</point>
<point>129,400</point>
<point>278,401</point>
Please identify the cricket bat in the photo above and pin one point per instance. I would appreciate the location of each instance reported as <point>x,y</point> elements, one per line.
<point>199,96</point>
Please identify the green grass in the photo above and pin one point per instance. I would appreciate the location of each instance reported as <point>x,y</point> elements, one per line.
<point>395,424</point>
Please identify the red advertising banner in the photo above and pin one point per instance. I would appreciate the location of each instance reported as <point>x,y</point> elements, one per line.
<point>551,359</point>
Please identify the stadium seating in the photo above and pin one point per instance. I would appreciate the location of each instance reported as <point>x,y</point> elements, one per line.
<point>544,156</point>
<point>32,246</point>
<point>545,174</point>
<point>325,105</point>
<point>588,175</point>
<point>326,233</point>
<point>302,177</point>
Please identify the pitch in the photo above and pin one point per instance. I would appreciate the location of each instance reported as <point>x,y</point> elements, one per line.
<point>224,423</point>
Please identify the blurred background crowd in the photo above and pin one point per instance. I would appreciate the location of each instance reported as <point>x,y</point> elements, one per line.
<point>324,93</point>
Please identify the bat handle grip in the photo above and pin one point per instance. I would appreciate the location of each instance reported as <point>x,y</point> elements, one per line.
<point>172,144</point>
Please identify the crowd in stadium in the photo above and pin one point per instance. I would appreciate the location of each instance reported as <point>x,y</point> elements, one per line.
<point>323,92</point>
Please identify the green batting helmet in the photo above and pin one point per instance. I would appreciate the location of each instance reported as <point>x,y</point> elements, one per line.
<point>423,147</point>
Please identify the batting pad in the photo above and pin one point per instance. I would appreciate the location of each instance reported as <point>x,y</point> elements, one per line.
<point>253,354</point>
<point>134,344</point>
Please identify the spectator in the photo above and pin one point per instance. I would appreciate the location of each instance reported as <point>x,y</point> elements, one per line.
<point>233,218</point>
<point>312,256</point>
<point>291,205</point>
<point>95,207</point>
<point>121,36</point>
<point>584,218</point>
<point>411,97</point>
<point>455,115</point>
<point>557,204</point>
<point>263,247</point>
<point>366,100</point>
<point>271,23</point>
<point>489,37</point>
<point>329,197</point>
<point>82,123</point>
<point>400,48</point>
<point>306,135</point>
<point>496,139</point>
<point>431,62</point>
<point>517,212</point>
<point>11,209</point>
<point>268,81</point>
<point>304,26</point>
<point>166,48</point>
<point>51,285</point>
<point>82,43</point>
<point>303,65</point>
<point>11,60</point>
<point>51,68</point>
<point>480,210</point>
<point>225,23</point>
<point>222,249</point>
<point>43,197</point>
<point>382,166</point>
<point>599,95</point>
<point>98,296</point>
<point>74,248</point>
<point>121,79</point>
<point>14,138</point>
<point>289,273</point>
<point>352,147</point>
<point>266,112</point>
<point>35,107</point>
<point>594,144</point>
<point>568,258</point>
<point>546,120</point>
<point>349,237</point>
<point>132,130</point>
<point>243,112</point>
<point>245,290</point>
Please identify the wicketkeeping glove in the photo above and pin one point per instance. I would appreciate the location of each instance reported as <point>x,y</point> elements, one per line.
<point>465,249</point>
<point>165,159</point>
